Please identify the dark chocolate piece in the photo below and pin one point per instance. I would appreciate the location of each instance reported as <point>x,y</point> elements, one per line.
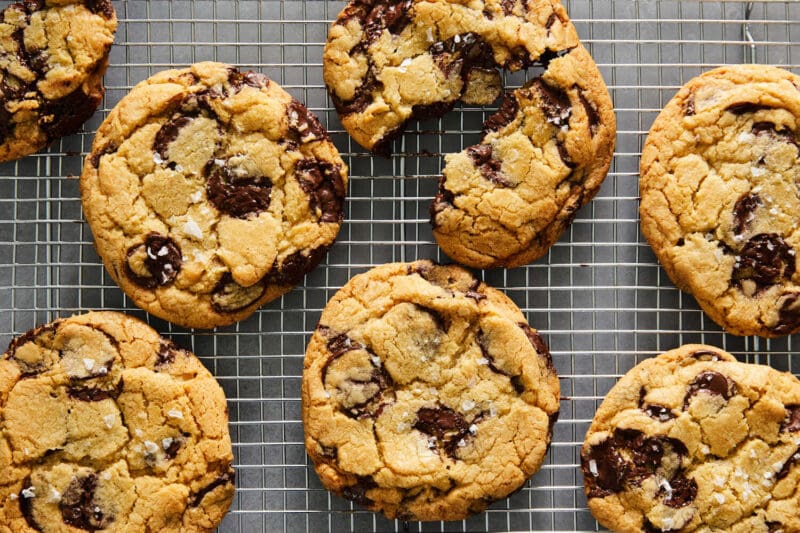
<point>292,270</point>
<point>357,493</point>
<point>745,211</point>
<point>167,352</point>
<point>489,167</point>
<point>505,114</point>
<point>711,382</point>
<point>682,491</point>
<point>103,8</point>
<point>236,195</point>
<point>230,297</point>
<point>792,422</point>
<point>766,259</point>
<point>162,260</point>
<point>746,107</point>
<point>555,103</point>
<point>95,394</point>
<point>322,182</point>
<point>787,466</point>
<point>78,508</point>
<point>539,345</point>
<point>303,125</point>
<point>439,421</point>
<point>591,113</point>
<point>168,133</point>
<point>223,479</point>
<point>705,355</point>
<point>789,314</point>
<point>771,130</point>
<point>239,79</point>
<point>66,115</point>
<point>26,505</point>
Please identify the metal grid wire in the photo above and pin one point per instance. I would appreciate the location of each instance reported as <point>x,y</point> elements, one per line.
<point>599,296</point>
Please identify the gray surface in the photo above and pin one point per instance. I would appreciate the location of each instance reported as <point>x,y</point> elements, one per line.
<point>599,297</point>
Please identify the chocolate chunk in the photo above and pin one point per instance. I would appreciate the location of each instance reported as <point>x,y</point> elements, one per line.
<point>705,355</point>
<point>341,344</point>
<point>171,451</point>
<point>490,168</point>
<point>389,15</point>
<point>682,491</point>
<point>32,6</point>
<point>508,6</point>
<point>357,493</point>
<point>746,107</point>
<point>504,116</point>
<point>292,270</point>
<point>555,103</point>
<point>224,479</point>
<point>787,466</point>
<point>362,97</point>
<point>229,297</point>
<point>789,314</point>
<point>26,505</point>
<point>78,507</point>
<point>155,263</point>
<point>234,193</point>
<point>688,106</point>
<point>625,458</point>
<point>322,182</point>
<point>103,8</point>
<point>771,130</point>
<point>659,412</point>
<point>539,345</point>
<point>766,259</point>
<point>439,421</point>
<point>96,155</point>
<point>462,53</point>
<point>426,111</point>
<point>66,115</point>
<point>745,211</point>
<point>648,527</point>
<point>442,322</point>
<point>329,452</point>
<point>381,385</point>
<point>775,527</point>
<point>168,133</point>
<point>168,351</point>
<point>711,382</point>
<point>41,336</point>
<point>444,200</point>
<point>545,58</point>
<point>516,381</point>
<point>591,113</point>
<point>303,125</point>
<point>239,79</point>
<point>94,394</point>
<point>792,422</point>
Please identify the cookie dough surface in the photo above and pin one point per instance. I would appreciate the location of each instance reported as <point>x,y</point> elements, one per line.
<point>211,191</point>
<point>426,396</point>
<point>693,440</point>
<point>720,196</point>
<point>106,426</point>
<point>54,55</point>
<point>505,201</point>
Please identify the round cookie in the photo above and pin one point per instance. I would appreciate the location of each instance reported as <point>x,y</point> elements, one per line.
<point>54,55</point>
<point>104,425</point>
<point>720,196</point>
<point>211,191</point>
<point>505,201</point>
<point>693,440</point>
<point>426,395</point>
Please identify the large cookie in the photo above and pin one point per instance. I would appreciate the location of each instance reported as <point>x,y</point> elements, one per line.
<point>104,425</point>
<point>426,395</point>
<point>720,187</point>
<point>54,55</point>
<point>693,440</point>
<point>211,191</point>
<point>505,201</point>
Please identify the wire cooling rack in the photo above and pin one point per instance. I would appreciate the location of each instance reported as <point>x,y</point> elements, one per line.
<point>599,296</point>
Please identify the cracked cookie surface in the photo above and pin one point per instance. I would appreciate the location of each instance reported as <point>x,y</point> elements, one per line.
<point>426,395</point>
<point>720,188</point>
<point>693,440</point>
<point>106,426</point>
<point>505,201</point>
<point>54,55</point>
<point>211,191</point>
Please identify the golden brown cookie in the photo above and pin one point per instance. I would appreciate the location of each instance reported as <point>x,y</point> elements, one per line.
<point>720,187</point>
<point>54,55</point>
<point>104,425</point>
<point>505,201</point>
<point>426,395</point>
<point>693,440</point>
<point>211,191</point>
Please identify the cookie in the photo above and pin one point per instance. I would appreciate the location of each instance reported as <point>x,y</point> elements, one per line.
<point>720,196</point>
<point>104,425</point>
<point>211,191</point>
<point>693,440</point>
<point>505,201</point>
<point>544,154</point>
<point>426,395</point>
<point>54,55</point>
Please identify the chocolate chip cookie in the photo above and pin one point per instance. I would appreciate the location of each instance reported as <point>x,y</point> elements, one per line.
<point>505,201</point>
<point>54,55</point>
<point>426,395</point>
<point>211,191</point>
<point>720,196</point>
<point>693,440</point>
<point>104,425</point>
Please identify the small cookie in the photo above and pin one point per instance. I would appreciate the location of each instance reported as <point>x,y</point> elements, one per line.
<point>505,201</point>
<point>720,188</point>
<point>54,55</point>
<point>693,440</point>
<point>544,154</point>
<point>104,425</point>
<point>426,395</point>
<point>211,191</point>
